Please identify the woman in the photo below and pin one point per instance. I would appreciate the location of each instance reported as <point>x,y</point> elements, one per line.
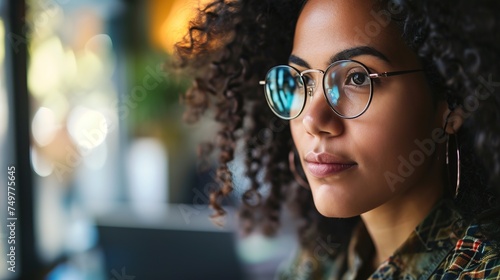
<point>382,132</point>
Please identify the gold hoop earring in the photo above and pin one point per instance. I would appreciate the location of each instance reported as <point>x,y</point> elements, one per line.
<point>293,168</point>
<point>457,187</point>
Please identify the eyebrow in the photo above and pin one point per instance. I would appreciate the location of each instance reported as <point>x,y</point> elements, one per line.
<point>299,61</point>
<point>345,54</point>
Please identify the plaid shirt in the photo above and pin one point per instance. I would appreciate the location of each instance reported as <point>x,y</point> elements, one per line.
<point>441,247</point>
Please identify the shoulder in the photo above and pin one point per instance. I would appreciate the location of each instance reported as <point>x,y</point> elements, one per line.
<point>473,257</point>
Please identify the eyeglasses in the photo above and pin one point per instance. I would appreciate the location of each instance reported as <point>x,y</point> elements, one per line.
<point>347,86</point>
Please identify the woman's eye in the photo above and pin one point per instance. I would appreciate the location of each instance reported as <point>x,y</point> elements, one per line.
<point>358,79</point>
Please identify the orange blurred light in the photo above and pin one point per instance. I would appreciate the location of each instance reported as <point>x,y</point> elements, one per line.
<point>169,21</point>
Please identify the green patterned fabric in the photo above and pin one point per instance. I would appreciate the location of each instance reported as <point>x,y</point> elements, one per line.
<point>441,247</point>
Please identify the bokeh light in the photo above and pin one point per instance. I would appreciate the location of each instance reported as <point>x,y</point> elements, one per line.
<point>175,23</point>
<point>88,128</point>
<point>42,166</point>
<point>44,126</point>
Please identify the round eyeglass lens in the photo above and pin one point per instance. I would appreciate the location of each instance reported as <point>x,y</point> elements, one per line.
<point>348,88</point>
<point>285,92</point>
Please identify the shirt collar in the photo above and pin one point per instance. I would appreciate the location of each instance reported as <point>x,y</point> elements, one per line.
<point>420,254</point>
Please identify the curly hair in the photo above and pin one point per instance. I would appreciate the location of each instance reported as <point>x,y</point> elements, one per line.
<point>232,43</point>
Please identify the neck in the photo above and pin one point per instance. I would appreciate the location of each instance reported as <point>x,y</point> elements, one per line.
<point>390,224</point>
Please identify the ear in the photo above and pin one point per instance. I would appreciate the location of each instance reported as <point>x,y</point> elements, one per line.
<point>453,120</point>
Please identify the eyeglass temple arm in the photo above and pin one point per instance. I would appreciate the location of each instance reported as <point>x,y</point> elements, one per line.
<point>376,75</point>
<point>388,74</point>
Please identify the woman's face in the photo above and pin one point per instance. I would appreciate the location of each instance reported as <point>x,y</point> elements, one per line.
<point>355,165</point>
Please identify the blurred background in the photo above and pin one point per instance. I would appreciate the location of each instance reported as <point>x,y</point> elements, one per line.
<point>108,185</point>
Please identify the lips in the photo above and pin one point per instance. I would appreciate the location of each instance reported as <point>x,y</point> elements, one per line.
<point>322,165</point>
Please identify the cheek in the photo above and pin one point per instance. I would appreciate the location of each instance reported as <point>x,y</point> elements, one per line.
<point>395,120</point>
<point>401,110</point>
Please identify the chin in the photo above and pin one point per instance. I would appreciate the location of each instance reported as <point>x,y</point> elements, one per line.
<point>332,204</point>
<point>338,209</point>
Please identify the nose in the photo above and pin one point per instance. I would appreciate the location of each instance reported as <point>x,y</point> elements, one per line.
<point>318,119</point>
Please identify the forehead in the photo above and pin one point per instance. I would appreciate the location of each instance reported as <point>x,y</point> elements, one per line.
<point>326,27</point>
